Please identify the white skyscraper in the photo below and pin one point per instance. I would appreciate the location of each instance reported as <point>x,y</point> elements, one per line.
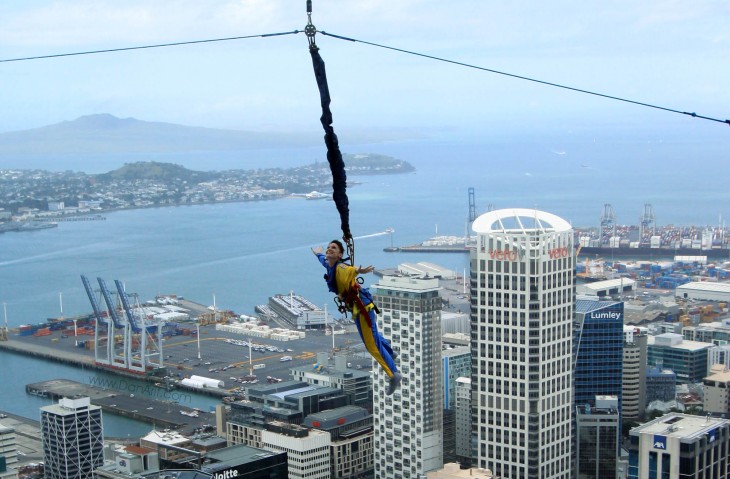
<point>409,423</point>
<point>73,439</point>
<point>522,324</point>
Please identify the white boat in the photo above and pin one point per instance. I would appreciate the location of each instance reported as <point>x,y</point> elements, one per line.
<point>316,195</point>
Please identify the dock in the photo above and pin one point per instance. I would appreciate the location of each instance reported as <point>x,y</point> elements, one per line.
<point>160,413</point>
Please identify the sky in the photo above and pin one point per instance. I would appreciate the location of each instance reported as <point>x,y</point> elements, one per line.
<point>670,53</point>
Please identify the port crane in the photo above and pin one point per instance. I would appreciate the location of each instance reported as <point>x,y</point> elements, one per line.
<point>647,222</point>
<point>106,349</point>
<point>608,222</point>
<point>150,344</point>
<point>121,359</point>
<point>139,346</point>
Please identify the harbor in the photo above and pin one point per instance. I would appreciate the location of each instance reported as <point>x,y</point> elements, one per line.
<point>215,354</point>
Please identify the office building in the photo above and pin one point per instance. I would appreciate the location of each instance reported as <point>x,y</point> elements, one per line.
<point>598,346</point>
<point>246,463</point>
<point>8,453</point>
<point>453,470</point>
<point>351,439</point>
<point>73,438</point>
<point>300,418</point>
<point>688,359</point>
<point>678,446</point>
<point>661,384</point>
<point>128,462</point>
<point>717,332</point>
<point>598,432</point>
<point>237,461</point>
<point>408,423</point>
<point>456,364</point>
<point>633,389</point>
<point>719,355</point>
<point>8,446</point>
<point>522,271</point>
<point>170,445</point>
<point>308,452</point>
<point>356,384</point>
<point>463,433</point>
<point>717,391</point>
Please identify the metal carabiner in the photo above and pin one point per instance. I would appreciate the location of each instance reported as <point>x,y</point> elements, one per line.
<point>310,30</point>
<point>350,245</point>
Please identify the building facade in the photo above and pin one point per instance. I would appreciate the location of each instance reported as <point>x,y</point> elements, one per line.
<point>409,423</point>
<point>308,451</point>
<point>73,439</point>
<point>661,384</point>
<point>8,453</point>
<point>522,271</point>
<point>456,364</point>
<point>463,433</point>
<point>598,429</point>
<point>598,346</point>
<point>716,395</point>
<point>633,389</point>
<point>718,355</point>
<point>678,446</point>
<point>351,433</point>
<point>358,385</point>
<point>8,446</point>
<point>688,359</point>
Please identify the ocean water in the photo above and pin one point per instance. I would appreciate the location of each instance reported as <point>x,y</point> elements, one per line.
<point>242,253</point>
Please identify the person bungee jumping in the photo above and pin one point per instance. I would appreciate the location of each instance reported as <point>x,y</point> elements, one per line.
<point>342,280</point>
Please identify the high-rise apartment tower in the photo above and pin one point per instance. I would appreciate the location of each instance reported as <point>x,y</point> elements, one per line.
<point>409,423</point>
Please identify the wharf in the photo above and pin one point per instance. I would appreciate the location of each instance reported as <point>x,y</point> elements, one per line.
<point>213,355</point>
<point>160,413</point>
<point>430,249</point>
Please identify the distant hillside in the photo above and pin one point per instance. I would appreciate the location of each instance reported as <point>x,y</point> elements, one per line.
<point>362,164</point>
<point>152,170</point>
<point>107,134</point>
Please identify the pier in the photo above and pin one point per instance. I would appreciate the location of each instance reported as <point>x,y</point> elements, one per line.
<point>166,412</point>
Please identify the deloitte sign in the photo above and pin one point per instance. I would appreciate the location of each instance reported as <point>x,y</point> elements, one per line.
<point>227,474</point>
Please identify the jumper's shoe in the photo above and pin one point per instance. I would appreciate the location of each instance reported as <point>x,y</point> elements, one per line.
<point>394,355</point>
<point>394,383</point>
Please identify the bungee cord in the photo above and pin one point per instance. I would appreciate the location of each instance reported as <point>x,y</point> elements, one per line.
<point>334,155</point>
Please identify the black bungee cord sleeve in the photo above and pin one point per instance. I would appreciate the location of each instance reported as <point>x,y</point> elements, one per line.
<point>334,156</point>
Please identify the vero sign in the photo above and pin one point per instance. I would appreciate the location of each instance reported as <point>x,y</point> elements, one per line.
<point>512,255</point>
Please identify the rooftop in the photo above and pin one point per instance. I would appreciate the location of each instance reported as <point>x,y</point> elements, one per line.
<point>680,425</point>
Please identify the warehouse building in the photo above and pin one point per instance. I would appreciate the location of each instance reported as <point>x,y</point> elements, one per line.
<point>702,290</point>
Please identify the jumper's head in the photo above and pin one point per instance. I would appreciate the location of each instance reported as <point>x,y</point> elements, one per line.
<point>334,251</point>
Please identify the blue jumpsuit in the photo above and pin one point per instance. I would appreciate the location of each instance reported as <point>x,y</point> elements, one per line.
<point>341,280</point>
